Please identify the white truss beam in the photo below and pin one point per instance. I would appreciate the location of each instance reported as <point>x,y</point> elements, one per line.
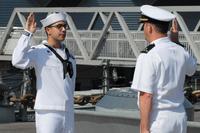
<point>77,36</point>
<point>92,21</point>
<point>102,36</point>
<point>90,46</point>
<point>187,36</point>
<point>128,34</point>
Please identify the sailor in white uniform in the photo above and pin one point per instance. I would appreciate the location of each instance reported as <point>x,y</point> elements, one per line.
<point>160,74</point>
<point>55,70</point>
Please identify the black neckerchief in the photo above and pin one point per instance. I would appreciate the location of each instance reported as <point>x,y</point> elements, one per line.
<point>67,65</point>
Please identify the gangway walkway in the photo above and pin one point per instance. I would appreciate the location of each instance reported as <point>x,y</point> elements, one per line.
<point>91,46</point>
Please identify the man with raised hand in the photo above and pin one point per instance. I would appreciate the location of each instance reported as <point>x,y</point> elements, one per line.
<point>160,74</point>
<point>55,70</point>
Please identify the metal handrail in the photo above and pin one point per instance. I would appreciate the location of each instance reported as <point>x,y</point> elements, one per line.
<point>92,46</point>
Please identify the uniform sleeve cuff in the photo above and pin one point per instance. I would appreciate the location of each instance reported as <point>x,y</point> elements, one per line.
<point>27,33</point>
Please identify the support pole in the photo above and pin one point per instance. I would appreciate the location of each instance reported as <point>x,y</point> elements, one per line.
<point>106,76</point>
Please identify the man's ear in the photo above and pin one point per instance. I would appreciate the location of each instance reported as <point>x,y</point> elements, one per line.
<point>150,28</point>
<point>47,30</point>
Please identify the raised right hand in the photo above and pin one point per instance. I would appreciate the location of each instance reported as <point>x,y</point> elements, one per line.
<point>30,23</point>
<point>174,27</point>
<point>174,31</point>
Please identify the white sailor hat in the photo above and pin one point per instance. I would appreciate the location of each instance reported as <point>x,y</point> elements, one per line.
<point>153,14</point>
<point>53,18</point>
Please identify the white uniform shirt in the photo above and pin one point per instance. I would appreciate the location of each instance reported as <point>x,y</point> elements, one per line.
<point>162,71</point>
<point>53,92</point>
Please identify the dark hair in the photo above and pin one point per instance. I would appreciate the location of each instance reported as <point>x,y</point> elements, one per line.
<point>161,27</point>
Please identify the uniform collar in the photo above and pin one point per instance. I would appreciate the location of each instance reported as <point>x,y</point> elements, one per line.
<point>157,41</point>
<point>62,45</point>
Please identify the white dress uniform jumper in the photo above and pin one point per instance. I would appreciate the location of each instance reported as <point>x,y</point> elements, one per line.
<point>55,86</point>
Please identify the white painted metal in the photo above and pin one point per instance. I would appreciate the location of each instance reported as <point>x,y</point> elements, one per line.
<point>104,19</point>
<point>77,36</point>
<point>102,36</point>
<point>22,19</point>
<point>92,21</point>
<point>89,46</point>
<point>127,33</point>
<point>197,26</point>
<point>190,40</point>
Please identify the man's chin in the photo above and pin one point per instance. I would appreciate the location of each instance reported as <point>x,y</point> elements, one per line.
<point>62,38</point>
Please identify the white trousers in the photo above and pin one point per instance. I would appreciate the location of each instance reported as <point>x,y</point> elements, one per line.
<point>54,121</point>
<point>169,121</point>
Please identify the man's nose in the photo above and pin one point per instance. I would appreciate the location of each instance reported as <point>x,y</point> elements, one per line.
<point>64,28</point>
